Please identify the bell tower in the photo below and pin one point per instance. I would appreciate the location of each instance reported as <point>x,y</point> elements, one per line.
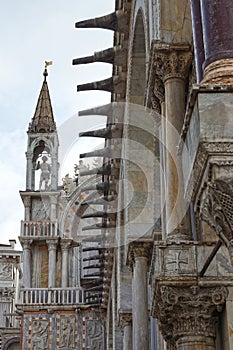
<point>42,149</point>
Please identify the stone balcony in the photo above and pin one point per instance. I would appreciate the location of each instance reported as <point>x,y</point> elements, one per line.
<point>47,297</point>
<point>46,229</point>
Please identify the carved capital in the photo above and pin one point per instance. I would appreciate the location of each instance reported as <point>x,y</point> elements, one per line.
<point>125,318</point>
<point>52,244</point>
<point>172,63</point>
<point>26,244</point>
<point>53,200</point>
<point>138,249</point>
<point>65,244</point>
<point>26,201</point>
<point>188,311</point>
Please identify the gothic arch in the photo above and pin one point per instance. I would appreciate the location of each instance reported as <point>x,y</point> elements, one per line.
<point>43,139</point>
<point>137,81</point>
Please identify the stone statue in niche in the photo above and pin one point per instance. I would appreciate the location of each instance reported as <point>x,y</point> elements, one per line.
<point>67,333</point>
<point>5,271</point>
<point>45,173</point>
<point>39,338</point>
<point>95,339</point>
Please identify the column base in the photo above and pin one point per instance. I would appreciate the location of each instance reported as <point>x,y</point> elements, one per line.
<point>219,72</point>
<point>195,343</point>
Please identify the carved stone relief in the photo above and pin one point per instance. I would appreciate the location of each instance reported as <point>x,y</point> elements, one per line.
<point>179,261</point>
<point>5,271</point>
<point>40,334</point>
<point>67,333</point>
<point>94,335</point>
<point>40,209</point>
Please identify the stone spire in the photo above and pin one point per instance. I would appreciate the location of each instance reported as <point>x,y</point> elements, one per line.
<point>43,121</point>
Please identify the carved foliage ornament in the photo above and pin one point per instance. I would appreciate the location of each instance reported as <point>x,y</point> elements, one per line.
<point>172,63</point>
<point>188,311</point>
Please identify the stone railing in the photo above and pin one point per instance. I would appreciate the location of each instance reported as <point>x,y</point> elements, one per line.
<point>53,296</point>
<point>39,229</point>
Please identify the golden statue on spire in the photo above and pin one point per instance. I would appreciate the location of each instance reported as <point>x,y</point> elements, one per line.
<point>48,63</point>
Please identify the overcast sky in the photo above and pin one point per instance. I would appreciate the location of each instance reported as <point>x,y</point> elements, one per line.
<point>32,32</point>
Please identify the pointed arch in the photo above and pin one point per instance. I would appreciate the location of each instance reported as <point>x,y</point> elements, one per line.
<point>138,61</point>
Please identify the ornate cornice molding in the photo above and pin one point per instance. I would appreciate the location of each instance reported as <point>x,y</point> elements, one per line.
<point>205,150</point>
<point>188,311</point>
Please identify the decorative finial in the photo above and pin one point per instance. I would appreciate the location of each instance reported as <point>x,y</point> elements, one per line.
<point>47,63</point>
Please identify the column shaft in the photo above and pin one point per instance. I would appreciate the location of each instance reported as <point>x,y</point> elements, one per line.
<point>175,110</point>
<point>198,38</point>
<point>140,307</point>
<point>29,172</point>
<point>52,247</point>
<point>217,29</point>
<point>26,265</point>
<point>127,340</point>
<point>65,265</point>
<point>195,343</point>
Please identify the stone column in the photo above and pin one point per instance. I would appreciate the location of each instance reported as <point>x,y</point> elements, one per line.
<point>188,315</point>
<point>27,276</point>
<point>217,27</point>
<point>29,182</point>
<point>197,38</point>
<point>172,66</point>
<point>139,253</point>
<point>53,212</point>
<point>52,248</point>
<point>65,245</point>
<point>27,206</point>
<point>125,322</point>
<point>159,92</point>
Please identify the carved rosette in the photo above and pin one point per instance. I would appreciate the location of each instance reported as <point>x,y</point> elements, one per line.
<point>173,62</point>
<point>188,311</point>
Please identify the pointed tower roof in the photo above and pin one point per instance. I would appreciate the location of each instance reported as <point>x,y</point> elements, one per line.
<point>43,120</point>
